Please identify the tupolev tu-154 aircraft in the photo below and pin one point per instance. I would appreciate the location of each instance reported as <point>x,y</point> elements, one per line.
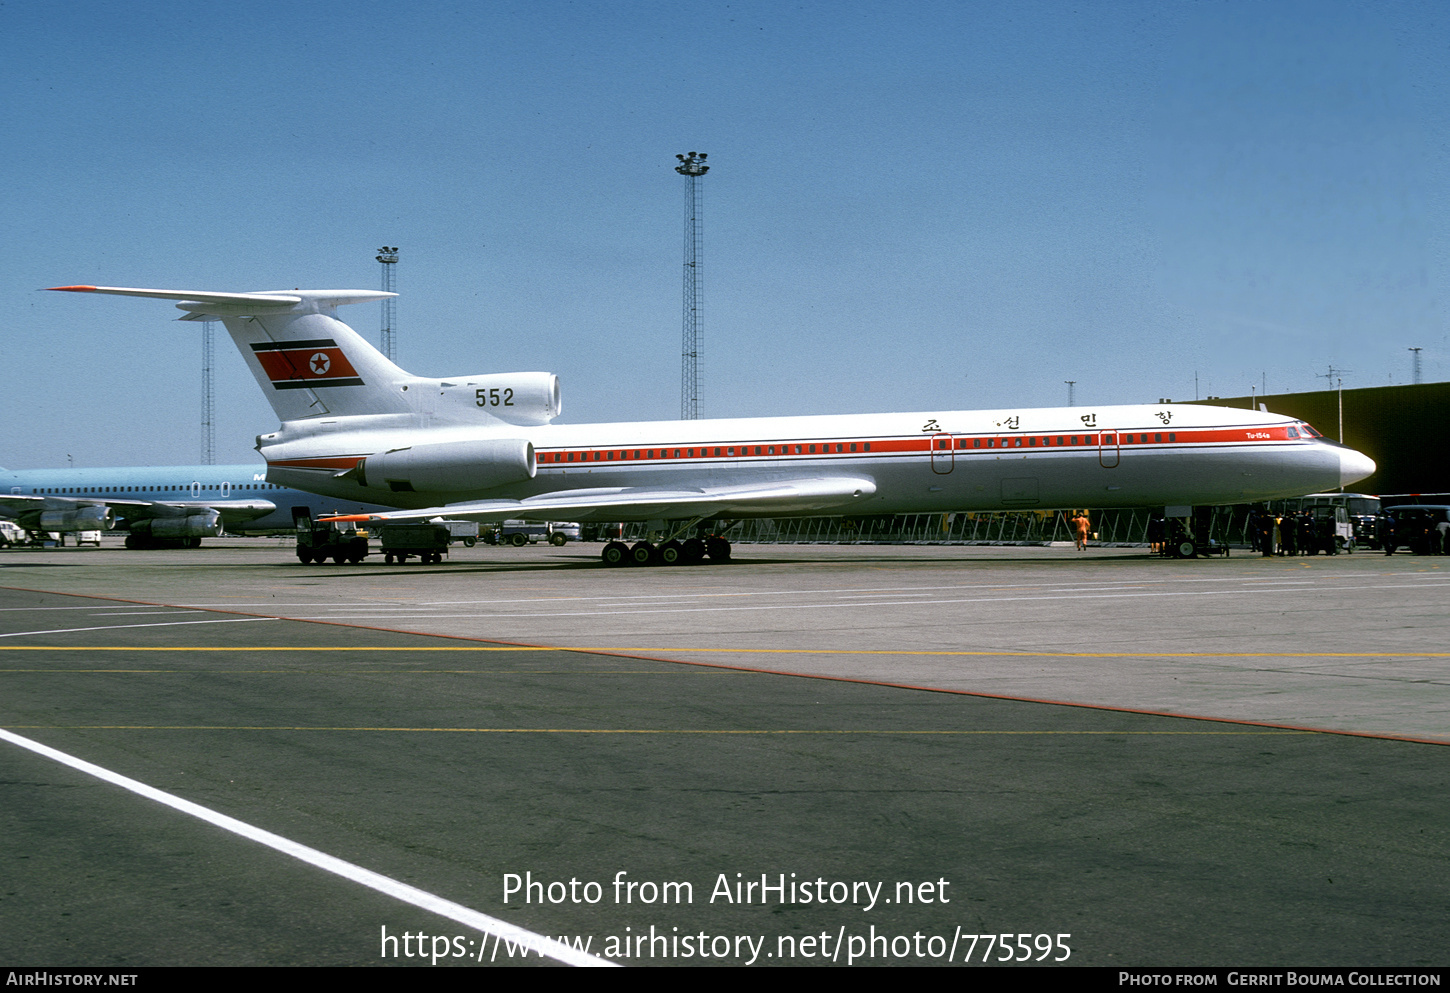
<point>484,447</point>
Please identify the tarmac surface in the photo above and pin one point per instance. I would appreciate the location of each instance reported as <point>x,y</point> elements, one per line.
<point>1228,762</point>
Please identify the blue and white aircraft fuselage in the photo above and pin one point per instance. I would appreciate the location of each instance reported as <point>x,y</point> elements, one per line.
<point>156,504</point>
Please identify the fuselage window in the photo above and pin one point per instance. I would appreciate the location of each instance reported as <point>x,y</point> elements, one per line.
<point>1172,436</point>
<point>813,449</point>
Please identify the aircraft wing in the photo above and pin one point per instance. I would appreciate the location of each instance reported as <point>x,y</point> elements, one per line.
<point>623,503</point>
<point>19,506</point>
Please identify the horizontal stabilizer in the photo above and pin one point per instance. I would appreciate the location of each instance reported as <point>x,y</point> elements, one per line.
<point>197,301</point>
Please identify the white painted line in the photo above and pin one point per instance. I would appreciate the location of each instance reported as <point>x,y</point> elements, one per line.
<point>163,624</point>
<point>366,877</point>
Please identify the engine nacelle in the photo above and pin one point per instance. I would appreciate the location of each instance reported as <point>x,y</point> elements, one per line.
<point>84,519</point>
<point>450,466</point>
<point>205,525</point>
<point>524,398</point>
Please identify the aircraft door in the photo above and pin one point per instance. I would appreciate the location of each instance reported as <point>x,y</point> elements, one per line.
<point>942,456</point>
<point>1108,450</point>
<point>226,490</point>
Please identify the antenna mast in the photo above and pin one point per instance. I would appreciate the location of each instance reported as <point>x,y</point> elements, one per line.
<point>692,166</point>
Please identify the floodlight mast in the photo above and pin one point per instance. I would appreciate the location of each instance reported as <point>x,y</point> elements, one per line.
<point>208,393</point>
<point>692,166</point>
<point>387,337</point>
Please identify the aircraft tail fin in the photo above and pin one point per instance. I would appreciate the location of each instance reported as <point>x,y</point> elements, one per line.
<point>307,362</point>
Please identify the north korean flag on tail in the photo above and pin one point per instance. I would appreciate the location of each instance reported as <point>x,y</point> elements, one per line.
<point>297,365</point>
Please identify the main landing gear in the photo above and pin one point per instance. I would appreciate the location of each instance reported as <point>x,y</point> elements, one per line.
<point>673,552</point>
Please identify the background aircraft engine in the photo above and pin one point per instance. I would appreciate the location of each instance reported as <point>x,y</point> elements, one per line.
<point>84,519</point>
<point>530,398</point>
<point>206,525</point>
<point>451,466</point>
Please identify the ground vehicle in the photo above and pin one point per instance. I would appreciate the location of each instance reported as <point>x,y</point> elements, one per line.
<point>320,542</point>
<point>518,533</point>
<point>1423,528</point>
<point>429,542</point>
<point>1355,528</point>
<point>464,531</point>
<point>560,533</point>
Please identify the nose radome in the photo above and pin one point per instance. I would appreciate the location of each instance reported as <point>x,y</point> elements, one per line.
<point>1354,466</point>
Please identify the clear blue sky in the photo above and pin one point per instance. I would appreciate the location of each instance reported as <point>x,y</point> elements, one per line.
<point>912,206</point>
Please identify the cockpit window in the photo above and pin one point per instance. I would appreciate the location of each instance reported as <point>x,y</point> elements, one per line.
<point>1310,431</point>
<point>1293,432</point>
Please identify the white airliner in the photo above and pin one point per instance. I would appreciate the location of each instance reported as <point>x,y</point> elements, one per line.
<point>160,506</point>
<point>357,427</point>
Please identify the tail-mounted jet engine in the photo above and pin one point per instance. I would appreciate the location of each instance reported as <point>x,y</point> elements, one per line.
<point>523,398</point>
<point>450,466</point>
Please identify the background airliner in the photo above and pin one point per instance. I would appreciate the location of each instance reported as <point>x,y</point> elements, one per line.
<point>483,447</point>
<point>175,506</point>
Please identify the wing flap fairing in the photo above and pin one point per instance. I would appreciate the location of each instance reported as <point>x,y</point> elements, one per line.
<point>641,503</point>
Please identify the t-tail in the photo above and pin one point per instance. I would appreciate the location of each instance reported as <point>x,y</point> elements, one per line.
<point>310,364</point>
<point>307,362</point>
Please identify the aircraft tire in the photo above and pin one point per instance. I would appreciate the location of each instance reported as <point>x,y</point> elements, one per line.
<point>644,553</point>
<point>672,553</point>
<point>615,553</point>
<point>1185,550</point>
<point>718,549</point>
<point>693,550</point>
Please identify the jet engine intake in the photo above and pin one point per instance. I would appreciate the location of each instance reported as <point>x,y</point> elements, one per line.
<point>450,466</point>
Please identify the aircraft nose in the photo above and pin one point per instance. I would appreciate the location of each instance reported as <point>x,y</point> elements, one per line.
<point>1354,466</point>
